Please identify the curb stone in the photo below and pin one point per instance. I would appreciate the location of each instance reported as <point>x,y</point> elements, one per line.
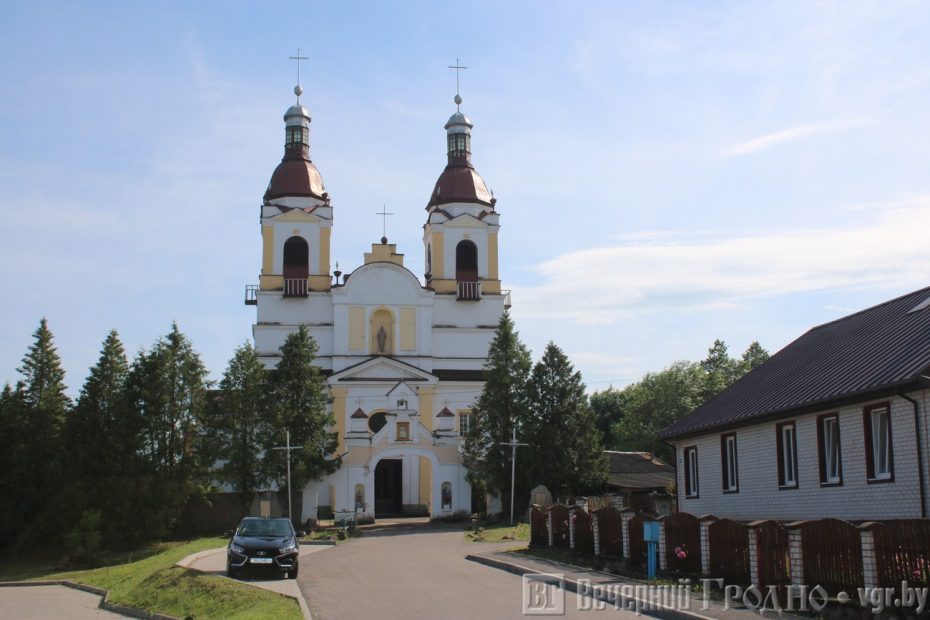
<point>104,595</point>
<point>663,613</point>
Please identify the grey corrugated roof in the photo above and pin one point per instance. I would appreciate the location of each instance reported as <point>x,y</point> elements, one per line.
<point>658,480</point>
<point>635,463</point>
<point>874,350</point>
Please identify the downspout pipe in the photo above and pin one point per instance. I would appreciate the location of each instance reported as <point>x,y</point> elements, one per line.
<point>920,454</point>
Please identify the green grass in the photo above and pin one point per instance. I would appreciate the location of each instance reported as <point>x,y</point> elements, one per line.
<point>153,583</point>
<point>498,532</point>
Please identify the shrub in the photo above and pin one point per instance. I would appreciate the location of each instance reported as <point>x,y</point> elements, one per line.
<point>85,541</point>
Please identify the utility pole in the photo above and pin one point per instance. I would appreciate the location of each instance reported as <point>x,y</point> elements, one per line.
<point>513,464</point>
<point>288,447</point>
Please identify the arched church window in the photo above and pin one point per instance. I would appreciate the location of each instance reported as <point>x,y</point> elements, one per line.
<point>376,421</point>
<point>466,261</point>
<point>296,266</point>
<point>429,260</point>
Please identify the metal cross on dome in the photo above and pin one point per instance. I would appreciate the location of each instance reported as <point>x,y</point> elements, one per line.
<point>383,213</point>
<point>458,94</point>
<point>297,89</point>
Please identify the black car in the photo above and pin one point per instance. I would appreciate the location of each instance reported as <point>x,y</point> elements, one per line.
<point>263,544</point>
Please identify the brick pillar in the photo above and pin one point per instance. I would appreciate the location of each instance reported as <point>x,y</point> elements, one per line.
<point>571,528</point>
<point>869,566</point>
<point>705,543</point>
<point>549,528</point>
<point>752,530</point>
<point>796,552</point>
<point>596,529</point>
<point>663,561</point>
<point>625,517</point>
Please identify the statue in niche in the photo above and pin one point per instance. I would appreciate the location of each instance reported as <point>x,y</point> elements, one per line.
<point>446,496</point>
<point>360,497</point>
<point>382,339</point>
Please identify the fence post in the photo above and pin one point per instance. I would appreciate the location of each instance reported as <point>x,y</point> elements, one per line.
<point>663,561</point>
<point>706,520</point>
<point>869,561</point>
<point>752,530</point>
<point>796,552</point>
<point>596,529</point>
<point>549,527</point>
<point>625,517</point>
<point>571,527</point>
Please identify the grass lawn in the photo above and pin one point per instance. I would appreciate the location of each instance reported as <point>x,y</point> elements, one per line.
<point>498,532</point>
<point>149,580</point>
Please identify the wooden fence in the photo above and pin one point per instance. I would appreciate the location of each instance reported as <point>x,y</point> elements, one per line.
<point>902,552</point>
<point>729,551</point>
<point>832,554</point>
<point>772,556</point>
<point>584,532</point>
<point>560,534</point>
<point>637,557</point>
<point>682,532</point>
<point>610,531</point>
<point>539,528</point>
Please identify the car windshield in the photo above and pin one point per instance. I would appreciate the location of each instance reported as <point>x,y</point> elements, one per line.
<point>262,527</point>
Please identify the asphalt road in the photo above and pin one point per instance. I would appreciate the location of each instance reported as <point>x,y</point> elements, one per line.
<point>415,572</point>
<point>51,603</point>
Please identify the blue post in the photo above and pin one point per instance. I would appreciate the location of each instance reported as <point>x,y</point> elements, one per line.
<point>651,537</point>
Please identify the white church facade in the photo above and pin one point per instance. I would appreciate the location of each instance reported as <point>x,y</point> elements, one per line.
<point>402,345</point>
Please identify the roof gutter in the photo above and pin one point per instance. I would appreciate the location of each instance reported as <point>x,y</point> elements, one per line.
<point>920,454</point>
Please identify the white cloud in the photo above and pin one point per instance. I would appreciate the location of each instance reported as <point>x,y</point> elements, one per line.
<point>770,140</point>
<point>605,284</point>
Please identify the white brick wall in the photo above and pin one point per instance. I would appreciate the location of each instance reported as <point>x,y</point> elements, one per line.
<point>759,496</point>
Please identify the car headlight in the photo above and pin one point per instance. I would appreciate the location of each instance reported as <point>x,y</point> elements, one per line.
<point>287,549</point>
<point>236,548</point>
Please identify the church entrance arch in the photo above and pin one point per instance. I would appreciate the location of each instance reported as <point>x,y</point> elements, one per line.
<point>404,480</point>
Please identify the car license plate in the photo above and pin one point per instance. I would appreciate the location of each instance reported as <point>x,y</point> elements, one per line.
<point>261,560</point>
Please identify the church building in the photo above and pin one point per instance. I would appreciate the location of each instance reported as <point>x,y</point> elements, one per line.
<point>402,344</point>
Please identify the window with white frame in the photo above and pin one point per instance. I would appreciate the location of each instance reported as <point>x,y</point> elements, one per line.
<point>464,422</point>
<point>691,472</point>
<point>877,426</point>
<point>787,446</point>
<point>728,462</point>
<point>831,463</point>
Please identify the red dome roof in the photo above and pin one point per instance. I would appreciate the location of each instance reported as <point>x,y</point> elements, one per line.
<point>459,183</point>
<point>295,177</point>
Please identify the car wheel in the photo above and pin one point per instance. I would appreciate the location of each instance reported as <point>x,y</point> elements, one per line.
<point>293,573</point>
<point>231,573</point>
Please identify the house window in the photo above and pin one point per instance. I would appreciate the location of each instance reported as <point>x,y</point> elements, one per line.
<point>728,463</point>
<point>879,459</point>
<point>828,443</point>
<point>464,422</point>
<point>691,472</point>
<point>787,446</point>
<point>403,431</point>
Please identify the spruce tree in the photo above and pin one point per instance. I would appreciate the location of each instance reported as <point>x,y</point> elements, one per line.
<point>243,424</point>
<point>720,370</point>
<point>501,407</point>
<point>39,419</point>
<point>9,418</point>
<point>565,445</point>
<point>753,356</point>
<point>300,400</point>
<point>167,388</point>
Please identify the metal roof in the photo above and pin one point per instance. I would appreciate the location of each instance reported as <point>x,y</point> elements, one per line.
<point>871,352</point>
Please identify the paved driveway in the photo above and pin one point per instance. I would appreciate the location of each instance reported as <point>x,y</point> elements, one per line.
<point>51,603</point>
<point>414,572</point>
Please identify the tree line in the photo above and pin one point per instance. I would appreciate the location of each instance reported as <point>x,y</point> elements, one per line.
<point>115,467</point>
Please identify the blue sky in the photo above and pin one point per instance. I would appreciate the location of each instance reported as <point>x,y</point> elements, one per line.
<point>666,173</point>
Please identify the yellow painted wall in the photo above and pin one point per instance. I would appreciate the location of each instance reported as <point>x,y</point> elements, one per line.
<point>267,249</point>
<point>339,413</point>
<point>426,406</point>
<point>320,283</point>
<point>325,233</point>
<point>438,256</point>
<point>356,328</point>
<point>408,329</point>
<point>492,256</point>
<point>444,286</point>
<point>491,287</point>
<point>271,283</point>
<point>426,480</point>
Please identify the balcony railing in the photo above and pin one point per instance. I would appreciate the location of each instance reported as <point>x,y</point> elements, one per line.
<point>251,294</point>
<point>295,287</point>
<point>469,291</point>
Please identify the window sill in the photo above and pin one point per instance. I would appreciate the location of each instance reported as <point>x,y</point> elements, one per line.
<point>880,480</point>
<point>838,483</point>
<point>730,491</point>
<point>787,487</point>
<point>692,496</point>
